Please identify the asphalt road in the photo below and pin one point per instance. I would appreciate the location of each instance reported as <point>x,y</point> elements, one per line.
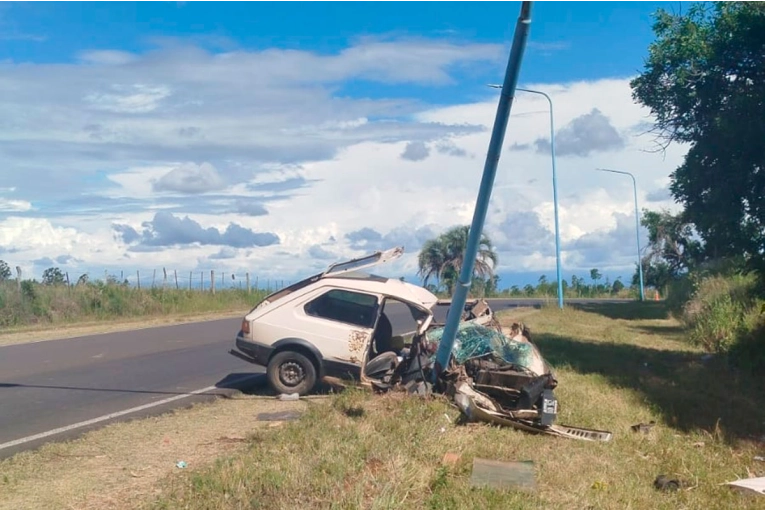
<point>57,389</point>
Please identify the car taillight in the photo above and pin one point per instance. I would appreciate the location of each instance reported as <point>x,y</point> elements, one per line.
<point>245,326</point>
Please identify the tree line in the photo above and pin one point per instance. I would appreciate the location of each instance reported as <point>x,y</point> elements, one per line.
<point>440,261</point>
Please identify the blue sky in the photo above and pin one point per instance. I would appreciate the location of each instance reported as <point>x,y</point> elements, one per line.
<point>256,134</point>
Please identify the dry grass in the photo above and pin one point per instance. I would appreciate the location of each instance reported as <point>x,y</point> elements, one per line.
<point>387,452</point>
<point>117,466</point>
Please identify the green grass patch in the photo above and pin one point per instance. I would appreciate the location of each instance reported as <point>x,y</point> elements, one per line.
<point>37,304</point>
<point>379,452</point>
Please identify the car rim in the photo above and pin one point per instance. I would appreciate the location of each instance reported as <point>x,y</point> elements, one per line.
<point>291,373</point>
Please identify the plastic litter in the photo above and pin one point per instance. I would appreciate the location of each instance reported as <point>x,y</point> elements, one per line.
<point>287,397</point>
<point>181,464</point>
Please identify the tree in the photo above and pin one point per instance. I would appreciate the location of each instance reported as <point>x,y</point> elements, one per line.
<point>617,287</point>
<point>52,276</point>
<point>595,276</point>
<point>5,271</point>
<point>442,257</point>
<point>673,247</point>
<point>704,81</point>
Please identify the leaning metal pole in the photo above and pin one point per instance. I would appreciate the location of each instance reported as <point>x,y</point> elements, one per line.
<point>484,193</point>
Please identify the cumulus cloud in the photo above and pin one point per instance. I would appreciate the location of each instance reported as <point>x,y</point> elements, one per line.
<point>607,247</point>
<point>190,178</point>
<point>317,252</point>
<point>588,133</point>
<point>658,195</point>
<point>415,151</point>
<point>451,149</point>
<point>224,254</point>
<point>523,232</point>
<point>168,230</point>
<point>250,207</point>
<point>371,240</point>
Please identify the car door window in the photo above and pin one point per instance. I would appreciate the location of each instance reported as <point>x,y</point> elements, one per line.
<point>344,306</point>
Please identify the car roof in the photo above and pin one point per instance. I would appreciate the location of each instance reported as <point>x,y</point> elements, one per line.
<point>392,287</point>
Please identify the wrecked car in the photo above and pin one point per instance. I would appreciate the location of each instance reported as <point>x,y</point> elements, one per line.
<point>340,324</point>
<point>332,324</point>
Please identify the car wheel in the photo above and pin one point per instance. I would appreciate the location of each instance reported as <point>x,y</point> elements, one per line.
<point>291,372</point>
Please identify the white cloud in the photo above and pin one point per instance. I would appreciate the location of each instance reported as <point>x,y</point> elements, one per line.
<point>14,205</point>
<point>279,153</point>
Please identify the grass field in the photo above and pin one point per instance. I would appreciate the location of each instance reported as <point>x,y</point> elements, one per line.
<point>618,365</point>
<point>39,306</point>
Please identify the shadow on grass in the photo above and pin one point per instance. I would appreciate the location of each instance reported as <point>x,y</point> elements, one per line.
<point>628,310</point>
<point>688,394</point>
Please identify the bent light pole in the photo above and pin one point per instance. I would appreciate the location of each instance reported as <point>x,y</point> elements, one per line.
<point>484,192</point>
<point>637,225</point>
<point>555,190</point>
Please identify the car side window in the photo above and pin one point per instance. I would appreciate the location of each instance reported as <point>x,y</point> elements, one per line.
<point>344,306</point>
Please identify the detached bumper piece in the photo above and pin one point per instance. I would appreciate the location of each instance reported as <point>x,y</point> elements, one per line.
<point>478,407</point>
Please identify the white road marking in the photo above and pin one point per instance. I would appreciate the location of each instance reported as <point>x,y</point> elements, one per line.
<point>117,414</point>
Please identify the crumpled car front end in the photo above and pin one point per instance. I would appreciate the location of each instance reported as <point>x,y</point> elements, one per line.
<point>496,375</point>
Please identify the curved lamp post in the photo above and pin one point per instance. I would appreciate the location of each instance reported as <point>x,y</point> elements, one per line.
<point>555,189</point>
<point>637,225</point>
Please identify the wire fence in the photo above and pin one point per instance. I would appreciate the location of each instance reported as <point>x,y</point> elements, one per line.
<point>210,280</point>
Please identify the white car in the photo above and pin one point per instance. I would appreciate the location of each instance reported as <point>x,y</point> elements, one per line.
<point>337,323</point>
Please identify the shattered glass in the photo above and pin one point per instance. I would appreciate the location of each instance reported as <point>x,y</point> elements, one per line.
<point>475,341</point>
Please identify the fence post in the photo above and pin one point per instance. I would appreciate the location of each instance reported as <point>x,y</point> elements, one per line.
<point>222,281</point>
<point>175,271</point>
<point>191,277</point>
<point>18,278</point>
<point>164,278</point>
<point>202,280</point>
<point>138,278</point>
<point>247,275</point>
<point>67,279</point>
<point>153,278</point>
<point>212,280</point>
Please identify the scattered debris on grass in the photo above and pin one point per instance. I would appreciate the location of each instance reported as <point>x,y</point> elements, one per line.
<point>503,475</point>
<point>645,428</point>
<point>756,485</point>
<point>278,416</point>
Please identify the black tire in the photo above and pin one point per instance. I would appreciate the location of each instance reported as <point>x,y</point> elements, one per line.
<point>291,372</point>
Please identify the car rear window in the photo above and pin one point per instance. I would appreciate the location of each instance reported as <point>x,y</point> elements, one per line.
<point>344,306</point>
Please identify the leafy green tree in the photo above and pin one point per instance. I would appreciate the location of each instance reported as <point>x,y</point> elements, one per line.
<point>617,287</point>
<point>491,288</point>
<point>442,257</point>
<point>595,276</point>
<point>52,276</point>
<point>5,271</point>
<point>673,247</point>
<point>704,81</point>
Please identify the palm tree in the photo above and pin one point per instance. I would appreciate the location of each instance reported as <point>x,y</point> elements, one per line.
<point>442,257</point>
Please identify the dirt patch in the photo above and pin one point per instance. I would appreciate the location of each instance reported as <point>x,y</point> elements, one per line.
<point>63,331</point>
<point>118,466</point>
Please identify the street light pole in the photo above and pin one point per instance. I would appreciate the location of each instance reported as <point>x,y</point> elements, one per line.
<point>445,346</point>
<point>555,190</point>
<point>637,225</point>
